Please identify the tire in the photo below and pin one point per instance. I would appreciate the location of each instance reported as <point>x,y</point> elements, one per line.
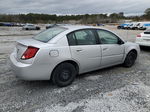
<point>64,74</point>
<point>37,28</point>
<point>130,59</point>
<point>27,29</point>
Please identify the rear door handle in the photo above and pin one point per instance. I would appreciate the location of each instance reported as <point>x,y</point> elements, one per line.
<point>105,49</point>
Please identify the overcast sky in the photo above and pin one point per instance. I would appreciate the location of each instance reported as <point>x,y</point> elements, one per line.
<point>129,7</point>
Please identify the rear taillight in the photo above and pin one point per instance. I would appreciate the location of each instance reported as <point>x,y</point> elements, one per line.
<point>139,35</point>
<point>29,53</point>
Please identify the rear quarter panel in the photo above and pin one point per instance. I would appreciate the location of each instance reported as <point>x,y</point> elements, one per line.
<point>51,55</point>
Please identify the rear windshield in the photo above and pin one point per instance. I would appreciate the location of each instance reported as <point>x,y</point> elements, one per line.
<point>47,35</point>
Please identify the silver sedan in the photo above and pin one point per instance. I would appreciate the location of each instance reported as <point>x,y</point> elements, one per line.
<point>62,52</point>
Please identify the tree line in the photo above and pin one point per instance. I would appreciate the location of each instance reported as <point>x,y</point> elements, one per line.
<point>46,18</point>
<point>85,19</point>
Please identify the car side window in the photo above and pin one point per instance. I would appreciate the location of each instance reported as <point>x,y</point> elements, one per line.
<point>71,39</point>
<point>107,37</point>
<point>82,37</point>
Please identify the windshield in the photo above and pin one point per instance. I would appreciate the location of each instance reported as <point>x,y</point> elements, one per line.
<point>47,35</point>
<point>131,24</point>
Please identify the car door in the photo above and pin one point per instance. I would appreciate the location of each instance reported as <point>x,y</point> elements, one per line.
<point>112,47</point>
<point>30,27</point>
<point>84,49</point>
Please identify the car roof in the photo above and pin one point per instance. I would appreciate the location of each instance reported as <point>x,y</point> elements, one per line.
<point>71,28</point>
<point>28,24</point>
<point>76,27</point>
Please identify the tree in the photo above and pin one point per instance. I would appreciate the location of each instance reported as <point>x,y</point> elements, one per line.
<point>114,17</point>
<point>147,14</point>
<point>147,11</point>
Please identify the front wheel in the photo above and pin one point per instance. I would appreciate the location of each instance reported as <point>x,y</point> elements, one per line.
<point>64,74</point>
<point>130,59</point>
<point>37,28</point>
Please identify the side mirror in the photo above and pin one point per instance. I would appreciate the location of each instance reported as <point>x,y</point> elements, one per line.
<point>120,42</point>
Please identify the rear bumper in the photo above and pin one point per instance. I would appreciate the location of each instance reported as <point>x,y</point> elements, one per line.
<point>143,44</point>
<point>28,71</point>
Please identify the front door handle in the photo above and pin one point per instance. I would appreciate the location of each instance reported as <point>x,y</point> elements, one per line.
<point>79,50</point>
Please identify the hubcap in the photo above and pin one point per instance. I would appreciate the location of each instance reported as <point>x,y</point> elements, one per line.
<point>65,75</point>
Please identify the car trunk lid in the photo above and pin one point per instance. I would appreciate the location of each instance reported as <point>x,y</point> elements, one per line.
<point>22,46</point>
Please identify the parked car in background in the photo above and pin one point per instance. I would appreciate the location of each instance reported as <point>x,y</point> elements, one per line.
<point>120,26</point>
<point>1,24</point>
<point>60,53</point>
<point>99,24</point>
<point>141,25</point>
<point>18,24</point>
<point>22,24</point>
<point>30,27</point>
<point>7,24</point>
<point>127,26</point>
<point>143,39</point>
<point>137,26</point>
<point>145,26</point>
<point>132,25</point>
<point>123,26</point>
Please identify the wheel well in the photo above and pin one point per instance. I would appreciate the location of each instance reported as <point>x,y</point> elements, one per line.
<point>135,51</point>
<point>68,61</point>
<point>73,63</point>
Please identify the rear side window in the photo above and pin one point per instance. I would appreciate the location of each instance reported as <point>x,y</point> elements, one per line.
<point>107,37</point>
<point>82,37</point>
<point>47,35</point>
<point>71,39</point>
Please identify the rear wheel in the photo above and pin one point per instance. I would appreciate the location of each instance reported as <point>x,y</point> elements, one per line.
<point>64,74</point>
<point>130,59</point>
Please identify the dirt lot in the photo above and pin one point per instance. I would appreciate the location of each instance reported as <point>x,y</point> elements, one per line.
<point>115,89</point>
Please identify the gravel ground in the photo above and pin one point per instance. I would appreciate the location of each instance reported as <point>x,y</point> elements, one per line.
<point>114,89</point>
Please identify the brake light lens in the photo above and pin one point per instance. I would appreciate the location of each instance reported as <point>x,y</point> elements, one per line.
<point>139,35</point>
<point>29,53</point>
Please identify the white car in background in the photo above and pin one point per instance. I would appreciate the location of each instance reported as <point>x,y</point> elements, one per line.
<point>127,25</point>
<point>139,26</point>
<point>30,27</point>
<point>133,26</point>
<point>143,39</point>
<point>143,25</point>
